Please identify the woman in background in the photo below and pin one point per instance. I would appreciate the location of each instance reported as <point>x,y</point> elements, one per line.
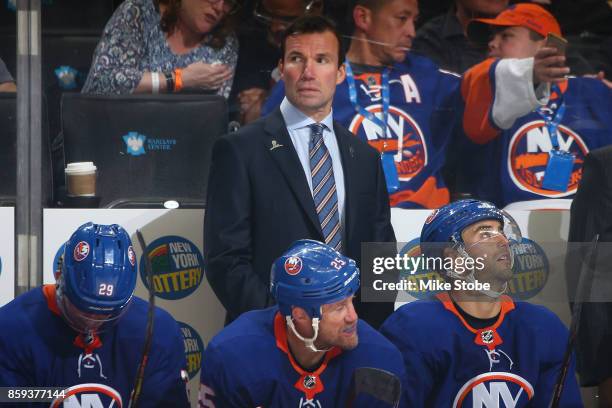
<point>153,46</point>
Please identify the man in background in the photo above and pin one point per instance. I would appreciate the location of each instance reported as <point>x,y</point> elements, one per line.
<point>444,39</point>
<point>259,53</point>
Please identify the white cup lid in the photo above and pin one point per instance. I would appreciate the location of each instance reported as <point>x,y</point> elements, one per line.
<point>80,167</point>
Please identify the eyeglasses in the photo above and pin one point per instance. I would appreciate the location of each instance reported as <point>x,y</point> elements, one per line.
<point>267,17</point>
<point>229,6</point>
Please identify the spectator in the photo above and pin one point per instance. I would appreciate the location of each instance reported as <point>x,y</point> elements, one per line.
<point>7,83</point>
<point>517,122</point>
<point>259,53</point>
<point>291,175</point>
<point>151,46</point>
<point>412,130</point>
<point>443,38</point>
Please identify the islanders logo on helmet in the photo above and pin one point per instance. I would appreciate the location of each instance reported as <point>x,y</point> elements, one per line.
<point>293,265</point>
<point>431,216</point>
<point>528,153</point>
<point>405,140</point>
<point>99,278</point>
<point>131,255</point>
<point>81,250</point>
<point>326,276</point>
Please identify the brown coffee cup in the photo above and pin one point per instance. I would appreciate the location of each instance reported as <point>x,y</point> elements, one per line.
<point>81,179</point>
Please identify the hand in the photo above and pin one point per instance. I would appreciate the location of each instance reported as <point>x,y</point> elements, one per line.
<point>600,75</point>
<point>251,101</point>
<point>548,66</point>
<point>200,75</point>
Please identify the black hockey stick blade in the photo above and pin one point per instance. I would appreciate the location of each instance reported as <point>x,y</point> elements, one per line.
<point>380,384</point>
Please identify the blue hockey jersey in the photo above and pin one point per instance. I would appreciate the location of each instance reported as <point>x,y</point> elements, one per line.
<point>249,364</point>
<point>513,363</point>
<point>37,348</point>
<point>425,110</point>
<point>507,164</point>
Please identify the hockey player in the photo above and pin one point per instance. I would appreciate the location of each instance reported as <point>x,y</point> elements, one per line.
<point>398,102</point>
<point>86,332</point>
<point>478,348</point>
<point>531,122</point>
<point>303,352</point>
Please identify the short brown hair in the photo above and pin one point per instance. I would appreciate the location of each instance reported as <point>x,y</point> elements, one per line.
<point>310,24</point>
<point>169,18</point>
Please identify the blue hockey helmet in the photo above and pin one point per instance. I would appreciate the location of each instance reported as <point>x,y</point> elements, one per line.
<point>98,274</point>
<point>447,223</point>
<point>310,274</point>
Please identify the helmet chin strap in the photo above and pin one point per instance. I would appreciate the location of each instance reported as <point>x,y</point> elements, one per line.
<point>308,342</point>
<point>469,276</point>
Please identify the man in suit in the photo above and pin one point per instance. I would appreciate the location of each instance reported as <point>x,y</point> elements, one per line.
<point>291,175</point>
<point>591,214</point>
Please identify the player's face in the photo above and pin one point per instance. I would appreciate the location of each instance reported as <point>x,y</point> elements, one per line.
<point>513,42</point>
<point>338,325</point>
<point>81,321</point>
<point>486,240</point>
<point>391,30</point>
<point>311,72</point>
<point>485,7</point>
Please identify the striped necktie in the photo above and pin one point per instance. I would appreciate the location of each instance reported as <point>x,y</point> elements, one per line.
<point>324,187</point>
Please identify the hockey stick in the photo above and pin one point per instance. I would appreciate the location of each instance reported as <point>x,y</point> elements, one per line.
<point>380,384</point>
<point>135,394</point>
<point>586,275</point>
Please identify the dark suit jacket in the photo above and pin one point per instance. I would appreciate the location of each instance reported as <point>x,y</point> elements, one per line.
<point>591,214</point>
<point>259,203</point>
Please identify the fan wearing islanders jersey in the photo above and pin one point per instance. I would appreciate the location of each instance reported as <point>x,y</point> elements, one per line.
<point>304,352</point>
<point>86,333</point>
<point>398,102</point>
<point>524,115</point>
<point>474,346</point>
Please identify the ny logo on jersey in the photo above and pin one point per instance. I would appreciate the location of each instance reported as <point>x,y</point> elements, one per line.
<point>89,396</point>
<point>528,153</point>
<point>495,357</point>
<point>494,390</point>
<point>309,403</point>
<point>498,391</point>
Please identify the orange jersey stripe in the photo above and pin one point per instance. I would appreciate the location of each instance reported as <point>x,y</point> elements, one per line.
<point>427,196</point>
<point>477,91</point>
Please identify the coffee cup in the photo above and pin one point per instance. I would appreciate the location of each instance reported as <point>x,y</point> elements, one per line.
<point>81,179</point>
